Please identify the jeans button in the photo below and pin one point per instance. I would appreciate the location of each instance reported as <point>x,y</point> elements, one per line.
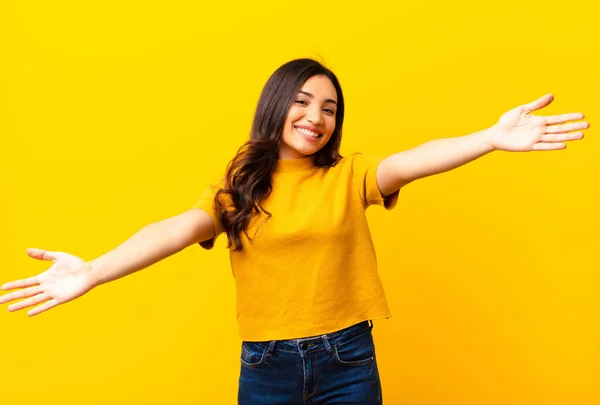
<point>303,346</point>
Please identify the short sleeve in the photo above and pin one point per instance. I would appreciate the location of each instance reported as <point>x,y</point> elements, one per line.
<point>364,172</point>
<point>207,203</point>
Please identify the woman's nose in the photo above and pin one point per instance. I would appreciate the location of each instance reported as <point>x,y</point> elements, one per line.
<point>315,117</point>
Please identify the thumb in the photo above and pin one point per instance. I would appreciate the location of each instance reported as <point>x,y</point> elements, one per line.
<point>539,103</point>
<point>41,254</point>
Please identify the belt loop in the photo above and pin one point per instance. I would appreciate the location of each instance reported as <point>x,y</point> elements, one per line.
<point>327,345</point>
<point>370,324</point>
<point>271,347</point>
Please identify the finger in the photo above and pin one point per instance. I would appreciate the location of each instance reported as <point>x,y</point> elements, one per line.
<point>561,129</point>
<point>28,292</point>
<point>50,304</point>
<point>559,119</point>
<point>28,302</point>
<point>573,136</point>
<point>539,103</point>
<point>41,254</point>
<point>28,282</point>
<point>549,146</point>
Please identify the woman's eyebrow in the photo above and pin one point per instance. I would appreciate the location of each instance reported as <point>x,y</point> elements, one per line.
<point>311,96</point>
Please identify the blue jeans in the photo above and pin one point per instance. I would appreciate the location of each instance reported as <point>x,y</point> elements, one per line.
<point>339,368</point>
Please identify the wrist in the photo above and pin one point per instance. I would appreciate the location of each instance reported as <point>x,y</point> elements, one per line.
<point>490,135</point>
<point>94,270</point>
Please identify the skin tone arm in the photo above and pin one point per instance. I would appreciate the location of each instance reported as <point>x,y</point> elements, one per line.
<point>70,277</point>
<point>517,131</point>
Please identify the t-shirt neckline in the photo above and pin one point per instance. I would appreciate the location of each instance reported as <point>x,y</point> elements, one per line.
<point>294,165</point>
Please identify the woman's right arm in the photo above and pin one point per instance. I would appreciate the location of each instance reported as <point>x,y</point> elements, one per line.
<point>152,244</point>
<point>70,277</point>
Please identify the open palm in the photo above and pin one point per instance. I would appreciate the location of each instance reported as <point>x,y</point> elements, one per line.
<point>520,131</point>
<point>68,278</point>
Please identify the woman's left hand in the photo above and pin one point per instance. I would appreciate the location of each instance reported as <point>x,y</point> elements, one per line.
<point>520,131</point>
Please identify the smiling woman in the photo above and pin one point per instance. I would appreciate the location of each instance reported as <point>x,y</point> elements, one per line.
<point>311,119</point>
<point>293,210</point>
<point>300,100</point>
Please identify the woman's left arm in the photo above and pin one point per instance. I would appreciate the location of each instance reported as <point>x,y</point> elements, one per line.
<point>516,131</point>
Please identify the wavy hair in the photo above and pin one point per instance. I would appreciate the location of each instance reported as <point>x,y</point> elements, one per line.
<point>247,181</point>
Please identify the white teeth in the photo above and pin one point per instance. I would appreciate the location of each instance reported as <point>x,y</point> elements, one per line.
<point>308,132</point>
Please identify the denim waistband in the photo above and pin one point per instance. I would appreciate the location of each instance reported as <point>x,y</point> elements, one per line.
<point>316,343</point>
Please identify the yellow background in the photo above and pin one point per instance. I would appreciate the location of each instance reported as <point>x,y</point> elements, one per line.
<point>117,114</point>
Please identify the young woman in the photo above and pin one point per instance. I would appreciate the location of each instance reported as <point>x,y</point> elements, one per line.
<point>293,210</point>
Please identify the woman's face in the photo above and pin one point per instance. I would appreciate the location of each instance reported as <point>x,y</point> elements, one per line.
<point>310,120</point>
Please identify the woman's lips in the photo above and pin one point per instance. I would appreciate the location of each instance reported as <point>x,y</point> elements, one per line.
<point>306,136</point>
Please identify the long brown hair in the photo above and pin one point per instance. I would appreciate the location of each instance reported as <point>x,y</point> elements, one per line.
<point>247,181</point>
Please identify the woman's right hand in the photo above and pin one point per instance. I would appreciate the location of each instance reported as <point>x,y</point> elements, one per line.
<point>68,278</point>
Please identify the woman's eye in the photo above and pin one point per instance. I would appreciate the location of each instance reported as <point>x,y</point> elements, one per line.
<point>303,102</point>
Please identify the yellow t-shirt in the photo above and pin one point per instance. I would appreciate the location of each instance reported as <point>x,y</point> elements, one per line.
<point>311,268</point>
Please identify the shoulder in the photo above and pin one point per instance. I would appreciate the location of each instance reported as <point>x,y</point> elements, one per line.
<point>359,162</point>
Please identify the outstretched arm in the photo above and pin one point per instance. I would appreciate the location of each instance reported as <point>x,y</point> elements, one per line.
<point>516,131</point>
<point>70,277</point>
<point>152,244</point>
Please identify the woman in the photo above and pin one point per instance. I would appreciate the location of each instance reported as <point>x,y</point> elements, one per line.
<point>293,211</point>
